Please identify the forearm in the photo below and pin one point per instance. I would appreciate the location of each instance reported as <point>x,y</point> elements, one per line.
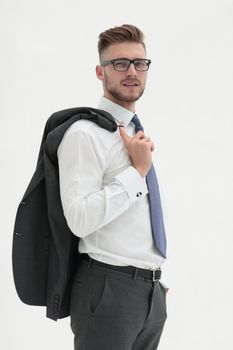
<point>88,213</point>
<point>97,209</point>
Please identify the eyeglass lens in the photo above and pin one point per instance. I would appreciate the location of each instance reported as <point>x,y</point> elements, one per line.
<point>124,64</point>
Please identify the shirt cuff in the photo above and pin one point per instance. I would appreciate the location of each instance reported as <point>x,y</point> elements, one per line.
<point>133,183</point>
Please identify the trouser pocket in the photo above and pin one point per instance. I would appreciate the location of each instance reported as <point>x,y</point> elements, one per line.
<point>97,296</point>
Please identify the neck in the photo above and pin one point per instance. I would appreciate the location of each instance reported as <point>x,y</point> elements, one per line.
<point>127,105</point>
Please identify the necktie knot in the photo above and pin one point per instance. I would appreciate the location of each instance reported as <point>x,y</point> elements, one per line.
<point>138,126</point>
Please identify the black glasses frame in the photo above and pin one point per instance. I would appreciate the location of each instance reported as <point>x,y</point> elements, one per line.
<point>148,62</point>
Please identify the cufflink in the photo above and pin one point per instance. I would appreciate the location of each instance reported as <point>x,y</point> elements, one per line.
<point>139,194</point>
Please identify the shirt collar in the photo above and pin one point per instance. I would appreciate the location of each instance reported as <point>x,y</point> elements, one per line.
<point>119,113</point>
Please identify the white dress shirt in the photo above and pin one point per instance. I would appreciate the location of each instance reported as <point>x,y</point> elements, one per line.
<point>104,198</point>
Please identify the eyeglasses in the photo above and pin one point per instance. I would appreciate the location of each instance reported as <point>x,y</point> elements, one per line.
<point>123,64</point>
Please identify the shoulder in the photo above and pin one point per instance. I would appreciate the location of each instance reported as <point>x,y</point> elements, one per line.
<point>89,130</point>
<point>84,126</point>
<point>84,134</point>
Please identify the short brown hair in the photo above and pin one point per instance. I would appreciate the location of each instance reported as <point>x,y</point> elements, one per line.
<point>124,33</point>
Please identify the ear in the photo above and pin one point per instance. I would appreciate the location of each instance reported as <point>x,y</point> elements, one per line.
<point>99,72</point>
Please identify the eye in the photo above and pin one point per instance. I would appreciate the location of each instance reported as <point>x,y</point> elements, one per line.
<point>141,64</point>
<point>121,64</point>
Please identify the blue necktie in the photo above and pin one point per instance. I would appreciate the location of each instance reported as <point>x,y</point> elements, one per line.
<point>156,214</point>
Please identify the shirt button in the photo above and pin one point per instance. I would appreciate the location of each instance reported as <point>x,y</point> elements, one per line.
<point>139,194</point>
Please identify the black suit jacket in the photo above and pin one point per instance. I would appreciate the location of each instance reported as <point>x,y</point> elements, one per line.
<point>45,251</point>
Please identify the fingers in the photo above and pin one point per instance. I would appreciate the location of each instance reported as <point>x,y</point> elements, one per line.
<point>152,147</point>
<point>138,136</point>
<point>125,137</point>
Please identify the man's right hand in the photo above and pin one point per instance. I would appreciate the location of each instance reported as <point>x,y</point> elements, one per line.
<point>139,147</point>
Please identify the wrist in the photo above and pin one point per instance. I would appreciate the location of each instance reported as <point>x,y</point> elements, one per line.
<point>143,172</point>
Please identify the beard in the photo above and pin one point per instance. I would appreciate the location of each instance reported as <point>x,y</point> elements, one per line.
<point>123,96</point>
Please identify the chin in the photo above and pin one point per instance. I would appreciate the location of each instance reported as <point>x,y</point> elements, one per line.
<point>133,98</point>
<point>125,97</point>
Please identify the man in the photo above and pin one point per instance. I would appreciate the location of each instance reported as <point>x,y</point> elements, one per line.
<point>117,299</point>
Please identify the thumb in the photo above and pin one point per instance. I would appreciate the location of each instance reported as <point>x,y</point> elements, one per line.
<point>125,137</point>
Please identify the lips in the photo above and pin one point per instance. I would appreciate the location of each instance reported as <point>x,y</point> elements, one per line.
<point>130,83</point>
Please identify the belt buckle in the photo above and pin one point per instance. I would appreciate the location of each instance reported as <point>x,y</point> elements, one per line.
<point>153,275</point>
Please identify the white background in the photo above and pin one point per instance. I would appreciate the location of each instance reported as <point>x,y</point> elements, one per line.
<point>48,57</point>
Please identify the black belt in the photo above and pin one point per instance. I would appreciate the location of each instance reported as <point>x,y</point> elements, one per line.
<point>152,275</point>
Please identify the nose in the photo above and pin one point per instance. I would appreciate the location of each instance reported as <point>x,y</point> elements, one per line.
<point>131,70</point>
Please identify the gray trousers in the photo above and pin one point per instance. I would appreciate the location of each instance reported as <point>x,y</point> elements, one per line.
<point>112,310</point>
